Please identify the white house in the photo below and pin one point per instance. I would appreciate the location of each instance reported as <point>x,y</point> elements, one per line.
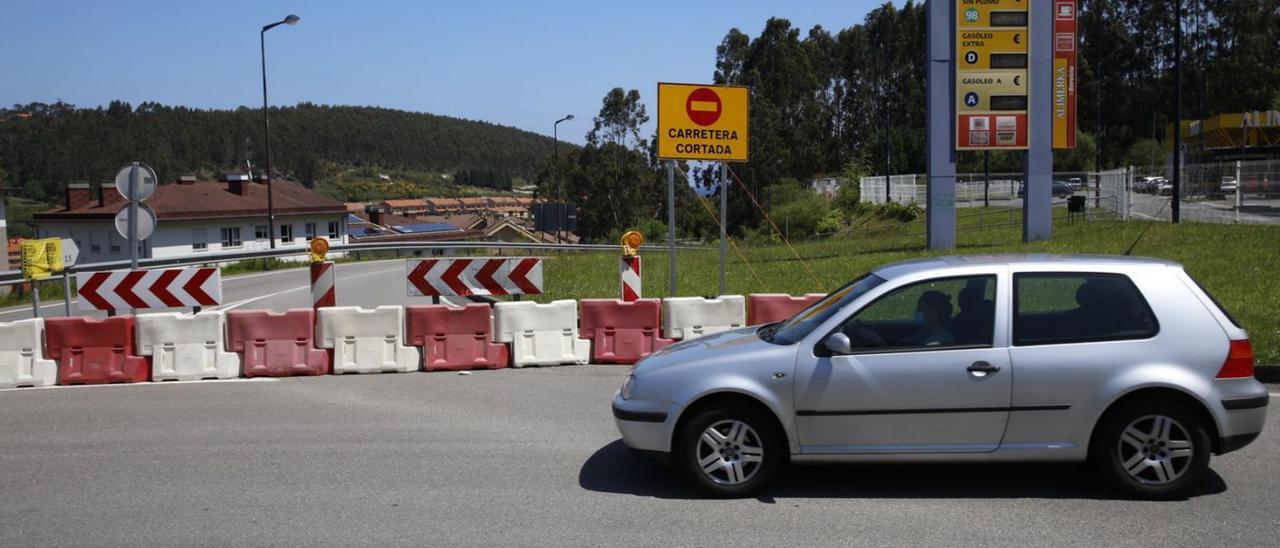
<point>196,217</point>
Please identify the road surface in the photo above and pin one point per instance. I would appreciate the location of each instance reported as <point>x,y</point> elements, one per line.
<point>518,457</point>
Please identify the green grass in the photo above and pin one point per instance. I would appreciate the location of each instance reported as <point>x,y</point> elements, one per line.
<point>1240,265</point>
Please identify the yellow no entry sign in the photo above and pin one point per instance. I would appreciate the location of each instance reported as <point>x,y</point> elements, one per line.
<point>702,122</point>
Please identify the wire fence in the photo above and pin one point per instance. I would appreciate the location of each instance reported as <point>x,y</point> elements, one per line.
<point>1225,192</point>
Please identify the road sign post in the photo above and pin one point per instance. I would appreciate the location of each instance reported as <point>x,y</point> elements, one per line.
<point>940,220</point>
<point>1037,202</point>
<point>701,122</point>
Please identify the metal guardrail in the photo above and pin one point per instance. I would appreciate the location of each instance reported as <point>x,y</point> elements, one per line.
<point>12,277</point>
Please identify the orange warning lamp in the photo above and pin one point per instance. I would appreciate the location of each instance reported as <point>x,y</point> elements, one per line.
<point>631,242</point>
<point>319,247</point>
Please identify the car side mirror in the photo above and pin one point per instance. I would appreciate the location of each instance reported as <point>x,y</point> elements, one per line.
<point>838,343</point>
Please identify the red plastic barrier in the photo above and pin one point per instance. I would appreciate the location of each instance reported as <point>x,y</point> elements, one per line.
<point>621,332</point>
<point>276,345</point>
<point>91,351</point>
<point>772,307</point>
<point>454,339</point>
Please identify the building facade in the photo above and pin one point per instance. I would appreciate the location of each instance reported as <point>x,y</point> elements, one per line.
<point>196,218</point>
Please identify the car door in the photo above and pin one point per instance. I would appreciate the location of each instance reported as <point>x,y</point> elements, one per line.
<point>903,387</point>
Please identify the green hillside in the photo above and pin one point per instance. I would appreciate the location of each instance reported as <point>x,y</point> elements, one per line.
<point>45,146</point>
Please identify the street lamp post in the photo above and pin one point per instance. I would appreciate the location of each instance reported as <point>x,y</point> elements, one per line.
<point>555,153</point>
<point>266,123</point>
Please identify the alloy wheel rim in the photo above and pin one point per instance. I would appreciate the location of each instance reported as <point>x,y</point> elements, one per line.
<point>1155,450</point>
<point>730,452</point>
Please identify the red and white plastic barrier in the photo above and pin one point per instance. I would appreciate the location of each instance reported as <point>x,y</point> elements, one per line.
<point>22,361</point>
<point>186,347</point>
<point>366,341</point>
<point>691,317</point>
<point>540,334</point>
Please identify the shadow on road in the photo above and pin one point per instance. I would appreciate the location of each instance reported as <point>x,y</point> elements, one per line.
<point>614,469</point>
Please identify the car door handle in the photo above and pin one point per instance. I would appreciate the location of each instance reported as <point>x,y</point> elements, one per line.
<point>983,367</point>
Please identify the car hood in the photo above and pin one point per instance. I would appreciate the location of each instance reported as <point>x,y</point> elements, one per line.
<point>721,347</point>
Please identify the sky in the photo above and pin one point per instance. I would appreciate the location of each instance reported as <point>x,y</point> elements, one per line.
<point>517,63</point>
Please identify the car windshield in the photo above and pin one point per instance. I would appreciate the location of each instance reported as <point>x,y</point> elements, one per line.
<point>800,325</point>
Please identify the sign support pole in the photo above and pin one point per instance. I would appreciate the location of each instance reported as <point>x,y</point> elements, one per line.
<point>35,298</point>
<point>1037,206</point>
<point>940,217</point>
<point>671,225</point>
<point>724,222</point>
<point>135,180</point>
<point>66,291</point>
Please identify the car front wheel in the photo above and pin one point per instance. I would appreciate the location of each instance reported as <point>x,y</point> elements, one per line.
<point>1153,450</point>
<point>730,452</point>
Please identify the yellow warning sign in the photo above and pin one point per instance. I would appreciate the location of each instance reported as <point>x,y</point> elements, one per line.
<point>41,258</point>
<point>702,122</point>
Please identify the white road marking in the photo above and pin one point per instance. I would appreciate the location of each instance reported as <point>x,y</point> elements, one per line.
<point>159,383</point>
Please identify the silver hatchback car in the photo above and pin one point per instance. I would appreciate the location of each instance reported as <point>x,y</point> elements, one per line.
<point>1123,361</point>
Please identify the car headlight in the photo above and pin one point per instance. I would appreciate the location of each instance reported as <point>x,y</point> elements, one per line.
<point>626,386</point>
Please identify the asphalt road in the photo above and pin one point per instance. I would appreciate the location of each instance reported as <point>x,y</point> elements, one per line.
<point>366,284</point>
<point>518,456</point>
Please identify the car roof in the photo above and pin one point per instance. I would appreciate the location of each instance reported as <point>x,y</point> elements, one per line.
<point>1068,262</point>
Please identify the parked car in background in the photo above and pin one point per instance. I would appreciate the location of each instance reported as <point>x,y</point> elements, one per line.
<point>1061,189</point>
<point>1124,362</point>
<point>1229,186</point>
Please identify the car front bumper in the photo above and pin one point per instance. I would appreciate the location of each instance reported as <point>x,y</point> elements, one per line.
<point>645,425</point>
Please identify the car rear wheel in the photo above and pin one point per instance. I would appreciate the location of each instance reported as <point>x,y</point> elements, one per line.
<point>1153,450</point>
<point>730,452</point>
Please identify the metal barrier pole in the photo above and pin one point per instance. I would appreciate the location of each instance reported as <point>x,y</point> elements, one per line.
<point>66,291</point>
<point>724,219</point>
<point>1239,183</point>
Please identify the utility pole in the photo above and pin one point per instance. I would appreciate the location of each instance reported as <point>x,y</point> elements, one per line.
<point>1176,212</point>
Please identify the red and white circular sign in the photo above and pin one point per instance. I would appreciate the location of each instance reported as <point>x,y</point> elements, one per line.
<point>703,106</point>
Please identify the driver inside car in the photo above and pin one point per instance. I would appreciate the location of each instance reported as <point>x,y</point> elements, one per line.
<point>931,320</point>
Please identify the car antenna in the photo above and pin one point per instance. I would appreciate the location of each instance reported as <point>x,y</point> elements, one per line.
<point>1129,251</point>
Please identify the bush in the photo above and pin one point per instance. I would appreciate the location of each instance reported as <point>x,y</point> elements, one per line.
<point>800,217</point>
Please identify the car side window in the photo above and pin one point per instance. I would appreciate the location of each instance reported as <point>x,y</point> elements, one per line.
<point>1057,308</point>
<point>939,313</point>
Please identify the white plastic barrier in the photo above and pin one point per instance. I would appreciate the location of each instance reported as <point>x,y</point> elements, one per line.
<point>22,361</point>
<point>691,317</point>
<point>540,334</point>
<point>366,340</point>
<point>186,347</point>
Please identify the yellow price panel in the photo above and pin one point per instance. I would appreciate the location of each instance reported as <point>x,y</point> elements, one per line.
<point>985,49</point>
<point>702,122</point>
<point>991,13</point>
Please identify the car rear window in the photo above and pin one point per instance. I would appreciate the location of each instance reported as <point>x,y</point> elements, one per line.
<point>1057,308</point>
<point>1221,308</point>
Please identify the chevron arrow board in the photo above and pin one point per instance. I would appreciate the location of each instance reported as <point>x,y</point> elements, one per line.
<point>167,288</point>
<point>462,277</point>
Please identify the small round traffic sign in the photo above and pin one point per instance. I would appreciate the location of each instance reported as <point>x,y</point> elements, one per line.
<point>703,106</point>
<point>146,222</point>
<point>971,99</point>
<point>147,181</point>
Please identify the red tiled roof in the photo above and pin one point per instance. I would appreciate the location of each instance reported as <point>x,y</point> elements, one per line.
<point>211,200</point>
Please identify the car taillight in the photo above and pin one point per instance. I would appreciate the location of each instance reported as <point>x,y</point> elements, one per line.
<point>1239,361</point>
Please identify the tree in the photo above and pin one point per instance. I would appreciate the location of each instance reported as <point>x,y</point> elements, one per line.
<point>1145,154</point>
